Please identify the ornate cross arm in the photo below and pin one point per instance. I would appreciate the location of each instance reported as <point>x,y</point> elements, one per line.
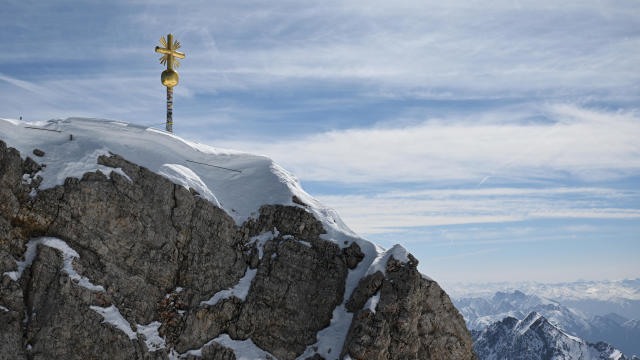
<point>169,52</point>
<point>162,50</point>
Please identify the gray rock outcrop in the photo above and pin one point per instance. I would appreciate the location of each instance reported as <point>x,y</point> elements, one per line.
<point>144,253</point>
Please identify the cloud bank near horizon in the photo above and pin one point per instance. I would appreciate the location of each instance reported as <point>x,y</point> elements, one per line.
<point>503,146</point>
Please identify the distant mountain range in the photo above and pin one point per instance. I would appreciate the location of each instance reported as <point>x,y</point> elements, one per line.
<point>534,338</point>
<point>591,297</point>
<point>481,313</point>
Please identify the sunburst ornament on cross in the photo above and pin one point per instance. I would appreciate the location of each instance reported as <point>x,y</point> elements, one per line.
<point>169,77</point>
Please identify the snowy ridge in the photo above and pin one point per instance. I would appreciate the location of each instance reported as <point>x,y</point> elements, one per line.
<point>479,313</point>
<point>256,181</point>
<point>75,144</point>
<point>398,252</point>
<point>535,338</point>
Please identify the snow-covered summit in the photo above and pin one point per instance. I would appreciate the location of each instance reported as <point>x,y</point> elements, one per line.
<point>237,182</point>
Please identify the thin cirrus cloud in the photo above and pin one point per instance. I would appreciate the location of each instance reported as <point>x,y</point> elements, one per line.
<point>573,143</point>
<point>394,211</point>
<point>363,50</point>
<point>427,48</point>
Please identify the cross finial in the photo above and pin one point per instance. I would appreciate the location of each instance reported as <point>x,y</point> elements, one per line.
<point>169,77</point>
<point>169,51</point>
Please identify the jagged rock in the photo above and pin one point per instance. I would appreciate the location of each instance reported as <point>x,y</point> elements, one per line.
<point>160,251</point>
<point>289,288</point>
<point>353,255</point>
<point>38,152</point>
<point>413,319</point>
<point>367,287</point>
<point>30,167</point>
<point>12,314</point>
<point>57,309</point>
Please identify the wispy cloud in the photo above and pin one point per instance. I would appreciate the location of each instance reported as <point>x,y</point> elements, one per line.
<point>116,97</point>
<point>465,254</point>
<point>406,49</point>
<point>573,143</point>
<point>395,211</point>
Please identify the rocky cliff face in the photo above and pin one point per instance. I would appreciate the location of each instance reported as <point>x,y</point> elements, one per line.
<point>129,265</point>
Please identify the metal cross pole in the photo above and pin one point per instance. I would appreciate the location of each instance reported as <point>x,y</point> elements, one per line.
<point>169,77</point>
<point>169,126</point>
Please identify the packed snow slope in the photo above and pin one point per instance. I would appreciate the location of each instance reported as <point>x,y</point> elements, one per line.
<point>252,180</point>
<point>245,262</point>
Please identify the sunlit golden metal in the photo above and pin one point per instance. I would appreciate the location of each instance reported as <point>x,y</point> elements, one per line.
<point>169,77</point>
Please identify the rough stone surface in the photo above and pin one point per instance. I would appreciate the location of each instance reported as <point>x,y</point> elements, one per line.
<point>159,251</point>
<point>414,319</point>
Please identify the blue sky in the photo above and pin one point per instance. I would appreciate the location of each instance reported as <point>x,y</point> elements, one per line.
<point>497,141</point>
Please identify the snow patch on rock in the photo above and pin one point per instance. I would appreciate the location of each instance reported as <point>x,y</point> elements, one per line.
<point>68,254</point>
<point>240,290</point>
<point>398,252</point>
<point>243,349</point>
<point>112,316</point>
<point>152,337</point>
<point>372,303</point>
<point>262,239</point>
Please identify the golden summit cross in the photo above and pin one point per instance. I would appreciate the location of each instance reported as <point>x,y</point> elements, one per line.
<point>169,77</point>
